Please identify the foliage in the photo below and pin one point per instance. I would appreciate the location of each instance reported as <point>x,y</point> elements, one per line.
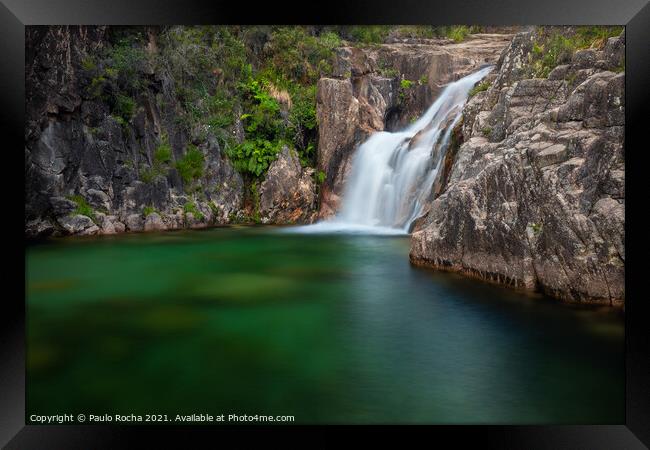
<point>482,86</point>
<point>163,153</point>
<point>148,210</point>
<point>190,207</point>
<point>369,34</point>
<point>124,107</point>
<point>459,32</point>
<point>320,177</point>
<point>405,84</point>
<point>255,197</point>
<point>83,207</point>
<point>254,156</point>
<point>190,166</point>
<point>554,46</point>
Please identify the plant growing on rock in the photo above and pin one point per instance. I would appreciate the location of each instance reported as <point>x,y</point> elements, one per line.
<point>482,86</point>
<point>190,207</point>
<point>83,208</point>
<point>190,166</point>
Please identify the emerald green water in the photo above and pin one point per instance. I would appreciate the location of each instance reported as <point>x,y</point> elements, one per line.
<point>330,329</point>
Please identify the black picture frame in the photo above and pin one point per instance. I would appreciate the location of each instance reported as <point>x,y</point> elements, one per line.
<point>16,14</point>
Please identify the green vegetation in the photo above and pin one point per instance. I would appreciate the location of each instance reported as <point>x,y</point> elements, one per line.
<point>190,166</point>
<point>190,207</point>
<point>162,157</point>
<point>536,227</point>
<point>482,86</point>
<point>369,34</point>
<point>405,84</point>
<point>163,153</point>
<point>320,177</point>
<point>148,210</point>
<point>386,69</point>
<point>83,207</point>
<point>460,32</point>
<point>487,131</point>
<point>554,46</point>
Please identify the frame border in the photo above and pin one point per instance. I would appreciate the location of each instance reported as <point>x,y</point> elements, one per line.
<point>635,14</point>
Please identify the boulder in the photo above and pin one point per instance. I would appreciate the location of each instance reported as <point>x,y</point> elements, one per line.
<point>154,222</point>
<point>287,194</point>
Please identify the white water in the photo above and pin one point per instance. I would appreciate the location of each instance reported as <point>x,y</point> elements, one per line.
<point>392,174</point>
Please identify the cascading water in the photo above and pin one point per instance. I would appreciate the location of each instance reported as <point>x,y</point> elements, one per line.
<point>392,174</point>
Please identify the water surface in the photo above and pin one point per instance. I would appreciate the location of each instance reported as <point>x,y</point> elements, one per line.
<point>328,328</point>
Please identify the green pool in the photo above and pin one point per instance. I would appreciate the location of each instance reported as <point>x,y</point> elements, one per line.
<point>328,328</point>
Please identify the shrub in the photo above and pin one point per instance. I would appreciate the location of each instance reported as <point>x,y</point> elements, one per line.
<point>459,33</point>
<point>369,34</point>
<point>405,84</point>
<point>190,166</point>
<point>124,107</point>
<point>163,153</point>
<point>482,86</point>
<point>83,207</point>
<point>320,177</point>
<point>148,210</point>
<point>553,47</point>
<point>254,156</point>
<point>190,207</point>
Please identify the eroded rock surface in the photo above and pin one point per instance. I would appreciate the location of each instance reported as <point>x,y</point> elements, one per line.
<point>287,195</point>
<point>76,147</point>
<point>535,196</point>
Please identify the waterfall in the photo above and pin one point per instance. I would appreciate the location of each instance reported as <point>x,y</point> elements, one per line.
<point>392,174</point>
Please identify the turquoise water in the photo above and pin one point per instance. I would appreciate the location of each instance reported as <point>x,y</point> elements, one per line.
<point>330,329</point>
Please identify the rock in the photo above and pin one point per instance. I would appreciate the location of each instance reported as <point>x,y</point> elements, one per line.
<point>541,205</point>
<point>78,224</point>
<point>134,222</point>
<point>287,194</point>
<point>62,206</point>
<point>154,222</point>
<point>99,199</point>
<point>39,228</point>
<point>75,143</point>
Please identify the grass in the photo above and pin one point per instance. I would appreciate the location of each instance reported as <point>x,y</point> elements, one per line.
<point>190,207</point>
<point>148,210</point>
<point>554,46</point>
<point>83,208</point>
<point>190,166</point>
<point>482,86</point>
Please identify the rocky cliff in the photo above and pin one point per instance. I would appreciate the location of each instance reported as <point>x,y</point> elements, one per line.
<point>534,191</point>
<point>88,169</point>
<point>149,128</point>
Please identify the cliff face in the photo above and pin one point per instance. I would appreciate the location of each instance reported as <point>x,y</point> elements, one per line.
<point>384,88</point>
<point>534,196</point>
<point>80,156</point>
